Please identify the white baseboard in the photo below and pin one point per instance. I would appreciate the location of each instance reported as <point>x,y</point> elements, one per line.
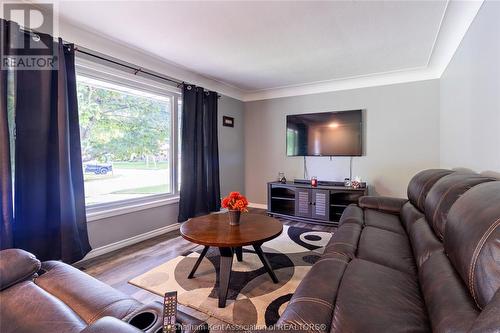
<point>129,241</point>
<point>256,205</point>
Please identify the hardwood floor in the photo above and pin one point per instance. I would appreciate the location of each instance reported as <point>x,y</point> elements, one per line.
<point>118,267</point>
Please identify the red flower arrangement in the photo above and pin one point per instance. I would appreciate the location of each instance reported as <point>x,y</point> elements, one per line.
<point>235,201</point>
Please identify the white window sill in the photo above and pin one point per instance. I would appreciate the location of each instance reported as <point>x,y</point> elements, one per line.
<point>116,209</point>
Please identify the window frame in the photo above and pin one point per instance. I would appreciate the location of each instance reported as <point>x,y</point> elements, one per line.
<point>111,75</point>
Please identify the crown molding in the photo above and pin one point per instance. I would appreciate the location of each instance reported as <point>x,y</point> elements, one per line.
<point>456,21</point>
<point>381,79</point>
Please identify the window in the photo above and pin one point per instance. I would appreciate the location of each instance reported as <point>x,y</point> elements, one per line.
<point>179,128</point>
<point>11,114</point>
<point>129,136</point>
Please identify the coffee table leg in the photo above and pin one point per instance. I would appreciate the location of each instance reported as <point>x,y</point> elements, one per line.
<point>239,253</point>
<point>226,263</point>
<point>265,262</point>
<point>198,262</point>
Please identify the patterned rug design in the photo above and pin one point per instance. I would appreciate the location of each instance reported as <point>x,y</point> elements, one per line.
<point>252,297</point>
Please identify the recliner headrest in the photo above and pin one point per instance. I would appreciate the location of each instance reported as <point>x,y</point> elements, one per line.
<point>443,195</point>
<point>421,183</point>
<point>16,265</point>
<point>472,240</point>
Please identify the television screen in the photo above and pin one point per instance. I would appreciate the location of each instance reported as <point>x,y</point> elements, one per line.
<point>325,134</point>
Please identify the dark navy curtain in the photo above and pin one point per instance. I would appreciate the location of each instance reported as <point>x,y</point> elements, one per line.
<point>6,237</point>
<point>200,186</point>
<point>49,202</point>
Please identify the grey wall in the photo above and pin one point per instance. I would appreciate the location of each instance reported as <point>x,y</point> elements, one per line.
<point>117,228</point>
<point>470,97</point>
<point>231,146</point>
<point>401,137</point>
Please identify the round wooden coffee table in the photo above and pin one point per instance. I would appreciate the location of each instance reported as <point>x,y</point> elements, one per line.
<point>215,230</point>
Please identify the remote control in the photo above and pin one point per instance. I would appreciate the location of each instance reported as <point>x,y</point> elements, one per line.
<point>169,312</point>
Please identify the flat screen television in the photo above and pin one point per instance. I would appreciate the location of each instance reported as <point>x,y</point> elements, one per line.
<point>325,134</point>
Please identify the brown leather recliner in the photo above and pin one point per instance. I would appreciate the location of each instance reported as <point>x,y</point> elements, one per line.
<point>56,297</point>
<point>430,263</point>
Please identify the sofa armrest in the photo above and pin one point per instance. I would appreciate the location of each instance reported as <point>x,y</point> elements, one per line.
<point>110,325</point>
<point>313,301</point>
<point>16,265</point>
<point>352,214</point>
<point>383,204</point>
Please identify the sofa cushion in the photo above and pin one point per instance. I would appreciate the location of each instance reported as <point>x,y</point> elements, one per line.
<point>344,240</point>
<point>352,214</point>
<point>386,221</point>
<point>375,298</point>
<point>88,297</point>
<point>444,194</point>
<point>450,306</point>
<point>16,265</point>
<point>26,308</point>
<point>312,303</point>
<point>409,215</point>
<point>387,248</point>
<point>423,241</point>
<point>421,183</point>
<point>472,240</point>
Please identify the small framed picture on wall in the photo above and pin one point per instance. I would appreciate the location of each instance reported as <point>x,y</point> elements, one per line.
<point>227,121</point>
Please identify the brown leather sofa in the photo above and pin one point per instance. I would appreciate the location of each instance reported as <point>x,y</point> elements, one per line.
<point>430,263</point>
<point>55,297</point>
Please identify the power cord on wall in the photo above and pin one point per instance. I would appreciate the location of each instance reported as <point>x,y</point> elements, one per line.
<point>350,169</point>
<point>305,168</point>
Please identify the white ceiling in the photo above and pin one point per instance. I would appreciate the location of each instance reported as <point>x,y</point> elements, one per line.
<point>262,46</point>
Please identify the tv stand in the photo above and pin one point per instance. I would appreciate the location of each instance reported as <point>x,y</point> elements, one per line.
<point>323,204</point>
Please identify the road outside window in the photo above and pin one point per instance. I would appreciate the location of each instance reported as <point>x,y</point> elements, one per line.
<point>126,137</point>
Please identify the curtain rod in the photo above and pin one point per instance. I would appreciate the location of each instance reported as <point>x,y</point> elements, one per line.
<point>89,53</point>
<point>135,69</point>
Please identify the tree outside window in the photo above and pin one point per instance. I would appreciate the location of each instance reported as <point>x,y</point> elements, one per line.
<point>126,137</point>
